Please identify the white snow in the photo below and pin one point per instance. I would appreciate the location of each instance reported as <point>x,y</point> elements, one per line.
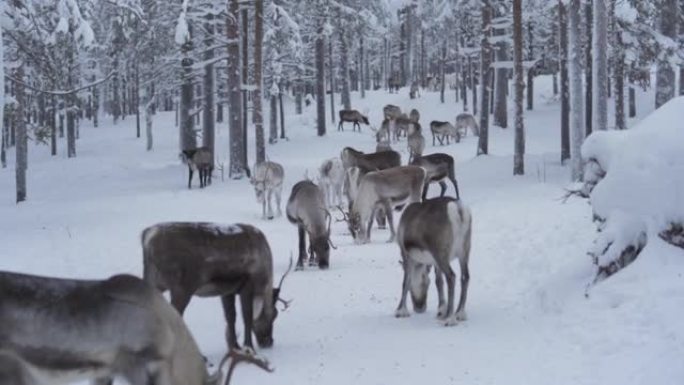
<point>529,321</point>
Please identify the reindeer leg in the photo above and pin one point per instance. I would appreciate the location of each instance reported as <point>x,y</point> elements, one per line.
<point>458,194</point>
<point>189,177</point>
<point>180,298</point>
<point>402,311</point>
<point>200,174</point>
<point>439,282</point>
<point>443,186</point>
<point>270,208</point>
<point>443,265</point>
<point>263,209</point>
<point>425,190</point>
<point>246,304</point>
<point>228,302</point>
<point>312,255</point>
<point>277,197</point>
<point>465,279</point>
<point>390,220</point>
<point>302,248</point>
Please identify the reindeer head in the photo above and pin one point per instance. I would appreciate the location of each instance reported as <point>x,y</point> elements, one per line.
<point>259,189</point>
<point>263,323</point>
<point>321,244</point>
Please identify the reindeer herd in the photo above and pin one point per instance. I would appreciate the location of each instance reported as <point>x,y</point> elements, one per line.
<point>56,331</point>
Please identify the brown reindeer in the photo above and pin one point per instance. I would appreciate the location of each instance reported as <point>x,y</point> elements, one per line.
<point>352,116</point>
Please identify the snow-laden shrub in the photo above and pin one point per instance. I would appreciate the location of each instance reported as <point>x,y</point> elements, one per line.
<point>636,183</point>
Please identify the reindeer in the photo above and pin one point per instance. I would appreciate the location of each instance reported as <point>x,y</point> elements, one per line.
<point>414,115</point>
<point>386,189</point>
<point>415,90</point>
<point>268,181</point>
<point>382,137</point>
<point>403,125</point>
<point>391,112</point>
<point>416,145</point>
<point>331,180</point>
<point>306,209</point>
<point>373,161</point>
<point>438,168</point>
<point>433,233</point>
<point>60,331</point>
<point>465,121</point>
<point>352,116</point>
<point>440,130</point>
<point>394,83</point>
<point>199,159</point>
<point>209,260</point>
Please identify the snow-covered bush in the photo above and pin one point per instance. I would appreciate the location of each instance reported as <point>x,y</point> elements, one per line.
<point>636,183</point>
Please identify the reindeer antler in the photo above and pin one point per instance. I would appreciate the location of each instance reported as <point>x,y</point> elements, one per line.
<point>345,216</point>
<point>289,268</point>
<point>236,356</point>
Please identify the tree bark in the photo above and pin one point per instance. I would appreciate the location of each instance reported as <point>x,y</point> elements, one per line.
<point>665,74</point>
<point>588,65</point>
<point>519,154</point>
<point>21,150</point>
<point>442,71</point>
<point>188,139</point>
<point>501,86</point>
<point>632,101</point>
<point>52,120</point>
<point>237,165</point>
<point>282,116</point>
<point>344,67</point>
<point>208,121</point>
<point>360,66</point>
<point>576,91</point>
<point>619,73</point>
<point>485,73</point>
<point>273,118</point>
<point>473,83</point>
<point>565,89</point>
<point>530,72</point>
<point>257,98</point>
<point>331,73</point>
<point>600,66</point>
<point>320,80</point>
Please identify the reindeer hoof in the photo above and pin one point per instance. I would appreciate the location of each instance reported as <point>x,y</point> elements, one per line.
<point>451,321</point>
<point>270,217</point>
<point>402,313</point>
<point>460,315</point>
<point>441,312</point>
<point>299,267</point>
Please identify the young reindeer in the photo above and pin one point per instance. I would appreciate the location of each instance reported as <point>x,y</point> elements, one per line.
<point>331,180</point>
<point>415,144</point>
<point>352,116</point>
<point>268,181</point>
<point>213,260</point>
<point>386,189</point>
<point>306,209</point>
<point>433,233</point>
<point>61,331</point>
<point>439,167</point>
<point>201,160</point>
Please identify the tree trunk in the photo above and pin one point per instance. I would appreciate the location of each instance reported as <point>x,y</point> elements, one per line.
<point>464,86</point>
<point>3,155</point>
<point>519,156</point>
<point>565,89</point>
<point>21,150</point>
<point>245,77</point>
<point>588,65</point>
<point>257,98</point>
<point>360,66</point>
<point>149,117</point>
<point>422,58</point>
<point>282,116</point>
<point>208,121</point>
<point>331,73</point>
<point>188,140</point>
<point>665,74</point>
<point>501,86</point>
<point>577,108</point>
<point>473,83</point>
<point>600,66</point>
<point>442,71</point>
<point>619,73</point>
<point>53,125</point>
<point>320,79</point>
<point>485,74</point>
<point>116,100</point>
<point>632,101</point>
<point>136,105</point>
<point>530,72</point>
<point>344,67</point>
<point>273,121</point>
<point>237,165</point>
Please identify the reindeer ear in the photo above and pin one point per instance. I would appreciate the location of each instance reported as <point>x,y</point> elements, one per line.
<point>257,306</point>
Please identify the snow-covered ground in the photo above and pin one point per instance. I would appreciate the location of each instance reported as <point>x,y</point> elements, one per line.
<point>529,320</point>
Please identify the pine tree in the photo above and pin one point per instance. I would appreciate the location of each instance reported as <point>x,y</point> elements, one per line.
<point>519,153</point>
<point>485,76</point>
<point>576,91</point>
<point>600,66</point>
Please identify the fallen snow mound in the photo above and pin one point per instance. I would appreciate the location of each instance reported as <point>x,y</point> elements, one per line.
<point>641,193</point>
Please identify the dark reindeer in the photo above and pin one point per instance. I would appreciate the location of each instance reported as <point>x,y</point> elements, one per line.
<point>208,260</point>
<point>56,331</point>
<point>306,209</point>
<point>439,167</point>
<point>371,162</point>
<point>352,116</point>
<point>433,233</point>
<point>201,160</point>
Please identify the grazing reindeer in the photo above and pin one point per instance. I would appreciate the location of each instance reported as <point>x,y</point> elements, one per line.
<point>382,137</point>
<point>306,209</point>
<point>391,112</point>
<point>415,90</point>
<point>438,167</point>
<point>352,116</point>
<point>268,181</point>
<point>441,130</point>
<point>201,160</point>
<point>402,126</point>
<point>416,145</point>
<point>386,189</point>
<point>331,180</point>
<point>60,331</point>
<point>210,260</point>
<point>433,233</point>
<point>465,121</point>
